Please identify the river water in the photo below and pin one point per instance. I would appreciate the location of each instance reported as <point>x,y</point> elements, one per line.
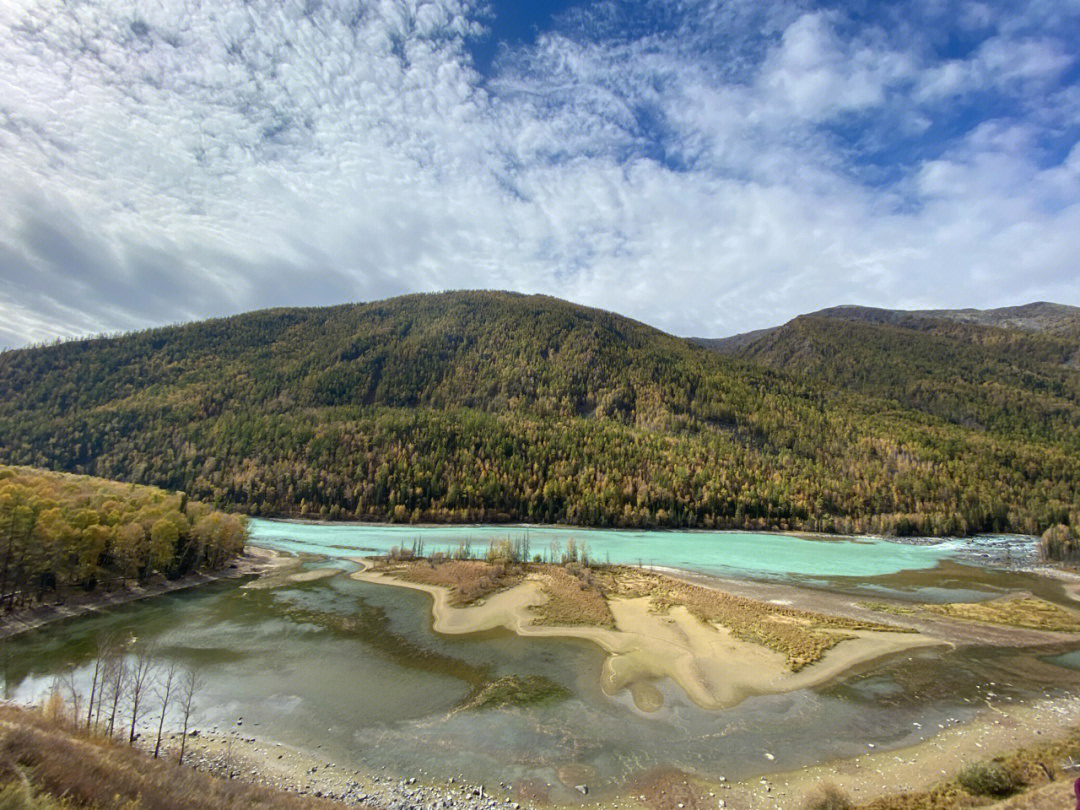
<point>354,671</point>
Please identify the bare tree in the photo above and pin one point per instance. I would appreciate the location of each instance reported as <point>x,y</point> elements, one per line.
<point>118,672</point>
<point>106,649</point>
<point>93,687</point>
<point>140,677</point>
<point>164,691</point>
<point>105,670</point>
<point>189,685</point>
<point>71,686</point>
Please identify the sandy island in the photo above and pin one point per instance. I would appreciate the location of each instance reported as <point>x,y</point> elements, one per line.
<point>706,660</point>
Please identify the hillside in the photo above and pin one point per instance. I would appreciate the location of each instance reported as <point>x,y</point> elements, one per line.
<point>495,406</point>
<point>50,763</point>
<point>1012,372</point>
<point>1038,317</point>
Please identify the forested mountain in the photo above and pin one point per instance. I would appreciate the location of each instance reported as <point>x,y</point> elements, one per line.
<point>495,406</point>
<point>60,532</point>
<point>1013,372</point>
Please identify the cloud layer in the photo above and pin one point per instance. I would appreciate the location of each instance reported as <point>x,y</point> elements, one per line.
<point>706,167</point>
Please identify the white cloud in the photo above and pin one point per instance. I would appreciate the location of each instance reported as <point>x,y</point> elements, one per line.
<point>163,163</point>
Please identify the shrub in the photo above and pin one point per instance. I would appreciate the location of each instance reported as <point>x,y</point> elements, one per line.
<point>1059,544</point>
<point>987,779</point>
<point>827,797</point>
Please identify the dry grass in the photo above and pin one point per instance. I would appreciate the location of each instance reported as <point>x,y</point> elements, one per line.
<point>1053,796</point>
<point>572,599</point>
<point>892,608</point>
<point>1017,611</point>
<point>803,637</point>
<point>96,774</point>
<point>469,581</point>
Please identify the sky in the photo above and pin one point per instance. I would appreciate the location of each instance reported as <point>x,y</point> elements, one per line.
<point>706,167</point>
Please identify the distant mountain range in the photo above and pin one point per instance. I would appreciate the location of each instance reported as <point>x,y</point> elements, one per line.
<point>473,406</point>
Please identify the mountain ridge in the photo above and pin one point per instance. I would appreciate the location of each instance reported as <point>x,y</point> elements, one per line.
<point>481,406</point>
<point>1035,316</point>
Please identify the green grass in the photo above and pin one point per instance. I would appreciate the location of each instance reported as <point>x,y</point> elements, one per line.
<point>517,690</point>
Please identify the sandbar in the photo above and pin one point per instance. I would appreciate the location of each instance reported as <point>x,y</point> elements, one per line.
<point>713,667</point>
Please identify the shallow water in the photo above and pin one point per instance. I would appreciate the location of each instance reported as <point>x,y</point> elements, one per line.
<point>354,671</point>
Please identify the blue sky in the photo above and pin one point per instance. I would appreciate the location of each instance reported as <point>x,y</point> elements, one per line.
<point>707,167</point>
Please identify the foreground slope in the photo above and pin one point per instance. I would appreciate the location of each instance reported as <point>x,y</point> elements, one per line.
<point>495,406</point>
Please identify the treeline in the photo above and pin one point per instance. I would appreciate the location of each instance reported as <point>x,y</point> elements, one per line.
<point>63,533</point>
<point>464,407</point>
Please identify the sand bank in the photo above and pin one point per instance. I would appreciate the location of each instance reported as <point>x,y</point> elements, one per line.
<point>713,667</point>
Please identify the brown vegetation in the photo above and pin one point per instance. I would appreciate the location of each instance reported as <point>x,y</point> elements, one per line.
<point>49,757</point>
<point>468,580</point>
<point>573,599</point>
<point>1016,611</point>
<point>828,797</point>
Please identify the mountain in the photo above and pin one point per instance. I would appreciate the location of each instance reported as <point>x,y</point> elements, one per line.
<point>472,406</point>
<point>1040,317</point>
<point>1012,372</point>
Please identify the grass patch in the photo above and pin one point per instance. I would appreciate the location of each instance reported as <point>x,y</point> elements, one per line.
<point>517,690</point>
<point>21,796</point>
<point>988,779</point>
<point>573,599</point>
<point>468,581</point>
<point>889,607</point>
<point>1018,611</point>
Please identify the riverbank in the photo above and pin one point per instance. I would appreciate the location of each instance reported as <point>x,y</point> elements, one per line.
<point>255,561</point>
<point>1001,728</point>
